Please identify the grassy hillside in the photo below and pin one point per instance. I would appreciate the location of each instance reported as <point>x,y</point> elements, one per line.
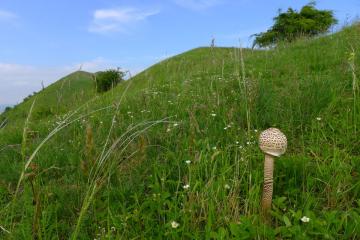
<point>172,153</point>
<point>56,99</point>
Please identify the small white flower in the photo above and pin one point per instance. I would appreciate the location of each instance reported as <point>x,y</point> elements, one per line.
<point>318,118</point>
<point>175,224</point>
<point>214,148</point>
<point>176,124</point>
<point>227,186</point>
<point>186,186</point>
<point>237,142</point>
<point>255,130</point>
<point>168,130</point>
<point>213,114</point>
<point>305,219</point>
<point>187,161</point>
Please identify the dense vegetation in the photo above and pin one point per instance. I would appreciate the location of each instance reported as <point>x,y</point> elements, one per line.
<point>291,25</point>
<point>107,80</point>
<point>172,153</point>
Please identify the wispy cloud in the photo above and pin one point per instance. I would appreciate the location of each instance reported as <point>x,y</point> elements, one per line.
<point>118,19</point>
<point>198,4</point>
<point>7,16</point>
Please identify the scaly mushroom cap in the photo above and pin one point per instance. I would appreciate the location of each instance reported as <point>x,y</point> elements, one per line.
<point>273,142</point>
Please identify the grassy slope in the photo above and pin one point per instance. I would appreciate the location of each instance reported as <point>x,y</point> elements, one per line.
<point>57,98</point>
<point>303,88</point>
<point>54,101</point>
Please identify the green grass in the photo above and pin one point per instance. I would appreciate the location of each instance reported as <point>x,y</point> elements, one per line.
<point>121,164</point>
<point>56,99</point>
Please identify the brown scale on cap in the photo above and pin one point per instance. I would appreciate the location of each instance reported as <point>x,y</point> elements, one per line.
<point>273,143</point>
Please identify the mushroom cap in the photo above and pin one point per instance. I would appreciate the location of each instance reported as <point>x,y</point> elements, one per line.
<point>273,142</point>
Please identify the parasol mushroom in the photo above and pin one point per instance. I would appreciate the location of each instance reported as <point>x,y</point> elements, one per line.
<point>273,143</point>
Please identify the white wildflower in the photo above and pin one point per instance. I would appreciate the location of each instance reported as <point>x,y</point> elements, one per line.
<point>227,186</point>
<point>305,219</point>
<point>176,124</point>
<point>187,161</point>
<point>213,114</point>
<point>318,118</point>
<point>175,224</point>
<point>186,186</point>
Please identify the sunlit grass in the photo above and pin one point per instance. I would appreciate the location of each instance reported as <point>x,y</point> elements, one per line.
<point>199,173</point>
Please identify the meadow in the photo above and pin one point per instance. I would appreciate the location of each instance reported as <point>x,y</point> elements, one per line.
<point>173,152</point>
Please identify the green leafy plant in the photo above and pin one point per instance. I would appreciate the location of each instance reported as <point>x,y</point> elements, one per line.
<point>107,80</point>
<point>291,25</point>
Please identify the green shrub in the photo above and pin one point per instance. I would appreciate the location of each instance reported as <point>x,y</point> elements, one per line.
<point>106,80</point>
<point>291,24</point>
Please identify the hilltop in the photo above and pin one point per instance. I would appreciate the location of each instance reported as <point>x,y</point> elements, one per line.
<point>58,98</point>
<point>172,153</point>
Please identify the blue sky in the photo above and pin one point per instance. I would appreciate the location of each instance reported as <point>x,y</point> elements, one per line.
<point>43,40</point>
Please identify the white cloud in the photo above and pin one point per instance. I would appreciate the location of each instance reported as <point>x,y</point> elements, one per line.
<point>198,4</point>
<point>118,19</point>
<point>7,16</point>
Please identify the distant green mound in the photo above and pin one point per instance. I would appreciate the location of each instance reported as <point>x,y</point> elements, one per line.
<point>58,98</point>
<point>172,153</point>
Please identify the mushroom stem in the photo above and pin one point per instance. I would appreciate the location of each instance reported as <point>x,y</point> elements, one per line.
<point>268,182</point>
